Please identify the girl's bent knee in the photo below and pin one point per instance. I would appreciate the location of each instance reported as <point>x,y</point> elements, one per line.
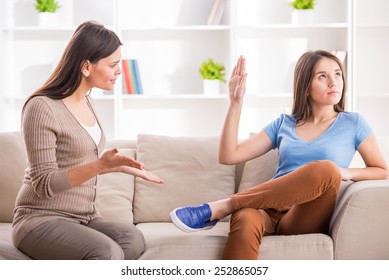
<point>249,221</point>
<point>327,169</point>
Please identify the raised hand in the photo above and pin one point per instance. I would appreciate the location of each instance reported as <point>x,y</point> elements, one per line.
<point>237,83</point>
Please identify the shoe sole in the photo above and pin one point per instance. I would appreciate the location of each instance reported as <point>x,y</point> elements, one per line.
<point>179,224</point>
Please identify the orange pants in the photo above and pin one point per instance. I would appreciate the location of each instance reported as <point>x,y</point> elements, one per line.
<point>299,202</point>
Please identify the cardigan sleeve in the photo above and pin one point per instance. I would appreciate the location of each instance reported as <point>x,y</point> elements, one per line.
<point>40,128</point>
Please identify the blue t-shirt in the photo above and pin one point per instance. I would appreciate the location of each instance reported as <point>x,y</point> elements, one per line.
<point>337,144</point>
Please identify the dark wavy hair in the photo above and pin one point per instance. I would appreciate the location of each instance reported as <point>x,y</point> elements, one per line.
<point>91,41</point>
<point>303,76</point>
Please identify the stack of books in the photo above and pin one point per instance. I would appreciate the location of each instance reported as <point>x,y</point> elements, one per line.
<point>216,12</point>
<point>131,78</point>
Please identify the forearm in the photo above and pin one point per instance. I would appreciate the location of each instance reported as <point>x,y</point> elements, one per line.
<point>367,173</point>
<point>81,174</point>
<point>229,136</point>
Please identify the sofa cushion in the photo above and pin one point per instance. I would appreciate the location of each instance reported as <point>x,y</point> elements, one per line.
<point>13,162</point>
<point>165,242</point>
<point>115,192</point>
<point>259,170</point>
<point>7,250</point>
<point>190,170</point>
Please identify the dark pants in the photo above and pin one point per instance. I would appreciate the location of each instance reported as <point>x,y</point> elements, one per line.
<point>100,239</point>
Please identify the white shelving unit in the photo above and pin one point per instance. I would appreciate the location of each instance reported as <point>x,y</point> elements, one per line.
<point>371,62</point>
<point>170,39</point>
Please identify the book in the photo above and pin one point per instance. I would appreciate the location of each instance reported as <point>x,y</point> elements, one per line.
<point>219,12</point>
<point>139,86</point>
<point>131,77</point>
<point>342,56</point>
<point>127,84</point>
<point>212,13</point>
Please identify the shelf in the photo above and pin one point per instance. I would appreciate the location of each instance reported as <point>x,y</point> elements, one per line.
<point>171,40</point>
<point>178,28</point>
<point>376,25</point>
<point>44,29</point>
<point>373,94</point>
<point>294,26</point>
<point>193,96</point>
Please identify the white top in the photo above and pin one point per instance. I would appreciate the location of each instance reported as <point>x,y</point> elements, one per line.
<point>94,131</point>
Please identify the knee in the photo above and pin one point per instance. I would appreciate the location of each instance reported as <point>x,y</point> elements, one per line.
<point>248,222</point>
<point>136,244</point>
<point>109,250</point>
<point>327,170</point>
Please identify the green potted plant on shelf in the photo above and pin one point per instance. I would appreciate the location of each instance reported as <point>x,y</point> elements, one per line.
<point>47,12</point>
<point>212,74</point>
<point>302,11</point>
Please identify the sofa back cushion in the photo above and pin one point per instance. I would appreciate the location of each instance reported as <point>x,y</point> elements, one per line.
<point>259,170</point>
<point>13,162</point>
<point>191,174</point>
<point>115,193</point>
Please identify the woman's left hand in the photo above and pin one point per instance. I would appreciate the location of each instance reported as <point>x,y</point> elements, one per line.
<point>346,174</point>
<point>142,173</point>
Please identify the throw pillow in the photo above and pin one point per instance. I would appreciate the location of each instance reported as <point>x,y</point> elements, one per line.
<point>115,192</point>
<point>259,170</point>
<point>191,174</point>
<point>13,162</point>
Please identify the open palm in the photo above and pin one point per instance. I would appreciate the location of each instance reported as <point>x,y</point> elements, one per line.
<point>237,83</point>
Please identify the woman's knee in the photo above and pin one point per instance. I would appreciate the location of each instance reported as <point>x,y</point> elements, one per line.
<point>136,244</point>
<point>108,250</point>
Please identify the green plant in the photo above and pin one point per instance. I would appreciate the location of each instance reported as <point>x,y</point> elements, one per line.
<point>49,6</point>
<point>303,4</point>
<point>211,70</point>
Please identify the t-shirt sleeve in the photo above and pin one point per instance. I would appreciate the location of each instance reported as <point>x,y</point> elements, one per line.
<point>272,130</point>
<point>363,130</point>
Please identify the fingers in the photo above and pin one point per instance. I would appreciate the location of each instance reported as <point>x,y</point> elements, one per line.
<point>136,164</point>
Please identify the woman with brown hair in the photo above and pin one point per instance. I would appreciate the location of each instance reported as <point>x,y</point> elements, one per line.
<point>316,144</point>
<point>55,214</point>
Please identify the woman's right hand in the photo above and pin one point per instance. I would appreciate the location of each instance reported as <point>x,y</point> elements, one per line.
<point>112,159</point>
<point>237,83</point>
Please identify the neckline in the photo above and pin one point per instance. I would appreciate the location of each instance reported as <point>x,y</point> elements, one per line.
<point>80,124</point>
<point>318,137</point>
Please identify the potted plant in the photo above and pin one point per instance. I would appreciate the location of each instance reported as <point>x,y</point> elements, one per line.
<point>212,74</point>
<point>47,12</point>
<point>302,11</point>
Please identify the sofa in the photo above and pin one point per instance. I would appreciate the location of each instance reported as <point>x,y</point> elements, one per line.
<point>359,227</point>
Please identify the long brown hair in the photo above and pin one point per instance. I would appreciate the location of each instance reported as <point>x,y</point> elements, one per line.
<point>91,41</point>
<point>303,76</point>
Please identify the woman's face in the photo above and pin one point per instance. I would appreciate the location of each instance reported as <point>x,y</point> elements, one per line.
<point>327,83</point>
<point>103,74</point>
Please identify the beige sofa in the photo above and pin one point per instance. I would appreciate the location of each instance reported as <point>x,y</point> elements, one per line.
<point>188,165</point>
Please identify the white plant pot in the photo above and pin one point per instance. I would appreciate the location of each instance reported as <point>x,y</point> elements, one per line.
<point>302,17</point>
<point>48,19</point>
<point>211,87</point>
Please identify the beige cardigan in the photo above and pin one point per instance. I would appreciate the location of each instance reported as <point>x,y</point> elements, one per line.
<point>55,142</point>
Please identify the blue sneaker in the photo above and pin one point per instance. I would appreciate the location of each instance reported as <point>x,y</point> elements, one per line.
<point>191,219</point>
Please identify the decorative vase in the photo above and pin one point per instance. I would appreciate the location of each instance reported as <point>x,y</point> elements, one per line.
<point>302,17</point>
<point>211,87</point>
<point>47,19</point>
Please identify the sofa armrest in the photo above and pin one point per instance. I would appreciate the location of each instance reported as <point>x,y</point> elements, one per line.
<point>360,226</point>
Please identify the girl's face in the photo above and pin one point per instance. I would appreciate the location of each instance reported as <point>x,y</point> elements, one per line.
<point>103,74</point>
<point>327,83</point>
